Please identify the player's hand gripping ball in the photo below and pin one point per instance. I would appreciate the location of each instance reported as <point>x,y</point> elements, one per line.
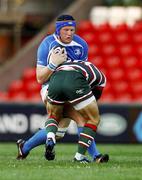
<point>58,55</point>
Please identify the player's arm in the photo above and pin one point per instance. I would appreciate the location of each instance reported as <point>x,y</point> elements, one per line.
<point>46,64</point>
<point>43,74</point>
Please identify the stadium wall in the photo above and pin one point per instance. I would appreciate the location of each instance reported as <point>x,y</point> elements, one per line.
<point>119,123</point>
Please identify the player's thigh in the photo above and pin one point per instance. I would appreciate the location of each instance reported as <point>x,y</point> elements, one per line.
<point>54,111</point>
<point>70,112</point>
<point>91,113</point>
<point>64,122</point>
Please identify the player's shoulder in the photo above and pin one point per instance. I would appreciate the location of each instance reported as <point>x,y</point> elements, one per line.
<point>89,64</point>
<point>79,40</point>
<point>48,39</point>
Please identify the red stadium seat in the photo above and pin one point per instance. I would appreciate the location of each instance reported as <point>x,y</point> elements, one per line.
<point>120,28</point>
<point>130,62</point>
<point>113,62</point>
<point>107,90</point>
<point>3,96</point>
<point>137,91</point>
<point>133,75</point>
<point>103,28</point>
<point>137,98</point>
<point>122,38</point>
<point>120,87</point>
<point>85,27</point>
<point>116,74</point>
<point>139,62</point>
<point>16,87</point>
<point>109,50</point>
<point>107,98</point>
<point>137,38</point>
<point>94,50</point>
<point>29,74</point>
<point>32,87</point>
<point>98,61</point>
<point>136,87</point>
<point>89,37</point>
<point>139,50</point>
<point>124,98</point>
<point>137,27</point>
<point>35,97</point>
<point>18,97</point>
<point>105,38</point>
<point>127,50</point>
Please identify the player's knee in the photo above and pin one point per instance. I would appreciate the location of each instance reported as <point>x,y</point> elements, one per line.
<point>60,133</point>
<point>98,120</point>
<point>95,120</point>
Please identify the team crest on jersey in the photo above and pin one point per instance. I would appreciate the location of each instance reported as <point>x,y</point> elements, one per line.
<point>77,51</point>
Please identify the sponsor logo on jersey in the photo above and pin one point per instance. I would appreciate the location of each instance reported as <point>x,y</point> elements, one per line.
<point>80,91</point>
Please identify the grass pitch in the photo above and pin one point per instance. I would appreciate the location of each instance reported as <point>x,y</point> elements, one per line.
<point>125,164</point>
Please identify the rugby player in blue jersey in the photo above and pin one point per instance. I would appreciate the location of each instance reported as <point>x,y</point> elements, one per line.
<point>63,45</point>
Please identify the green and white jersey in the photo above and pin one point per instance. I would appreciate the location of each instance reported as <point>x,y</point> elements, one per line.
<point>92,74</point>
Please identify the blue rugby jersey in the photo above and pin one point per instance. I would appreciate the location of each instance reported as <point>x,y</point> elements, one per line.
<point>76,50</point>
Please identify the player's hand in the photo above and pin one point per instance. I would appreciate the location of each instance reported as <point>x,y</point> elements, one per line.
<point>58,56</point>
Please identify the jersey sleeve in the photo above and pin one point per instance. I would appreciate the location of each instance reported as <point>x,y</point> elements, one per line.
<point>42,54</point>
<point>84,54</point>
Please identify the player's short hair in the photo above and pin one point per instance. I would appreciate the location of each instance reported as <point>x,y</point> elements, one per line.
<point>65,17</point>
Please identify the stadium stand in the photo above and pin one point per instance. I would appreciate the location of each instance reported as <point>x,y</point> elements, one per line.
<point>117,15</point>
<point>115,48</point>
<point>99,15</point>
<point>133,14</point>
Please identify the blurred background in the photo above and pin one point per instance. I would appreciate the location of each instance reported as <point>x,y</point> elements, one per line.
<point>113,31</point>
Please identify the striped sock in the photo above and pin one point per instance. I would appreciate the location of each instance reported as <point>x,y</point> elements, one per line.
<point>86,138</point>
<point>92,149</point>
<point>51,126</point>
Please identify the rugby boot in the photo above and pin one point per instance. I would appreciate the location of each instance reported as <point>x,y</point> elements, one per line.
<point>49,150</point>
<point>102,158</point>
<point>21,155</point>
<point>83,161</point>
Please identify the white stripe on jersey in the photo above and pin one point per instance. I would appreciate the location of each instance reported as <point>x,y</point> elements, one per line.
<point>90,72</point>
<point>94,75</point>
<point>74,66</point>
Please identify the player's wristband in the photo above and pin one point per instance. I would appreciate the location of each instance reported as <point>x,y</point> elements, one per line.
<point>52,66</point>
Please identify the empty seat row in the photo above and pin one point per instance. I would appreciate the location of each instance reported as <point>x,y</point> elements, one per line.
<point>117,51</point>
<point>120,62</point>
<point>86,26</point>
<point>115,15</point>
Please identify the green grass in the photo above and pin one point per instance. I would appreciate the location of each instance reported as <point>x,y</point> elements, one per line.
<point>125,164</point>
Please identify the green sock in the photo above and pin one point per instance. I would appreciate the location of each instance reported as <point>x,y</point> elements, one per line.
<point>85,139</point>
<point>51,125</point>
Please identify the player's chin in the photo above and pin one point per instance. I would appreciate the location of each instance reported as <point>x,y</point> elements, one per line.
<point>68,40</point>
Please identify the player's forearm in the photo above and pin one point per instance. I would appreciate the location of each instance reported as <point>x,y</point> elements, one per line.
<point>43,74</point>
